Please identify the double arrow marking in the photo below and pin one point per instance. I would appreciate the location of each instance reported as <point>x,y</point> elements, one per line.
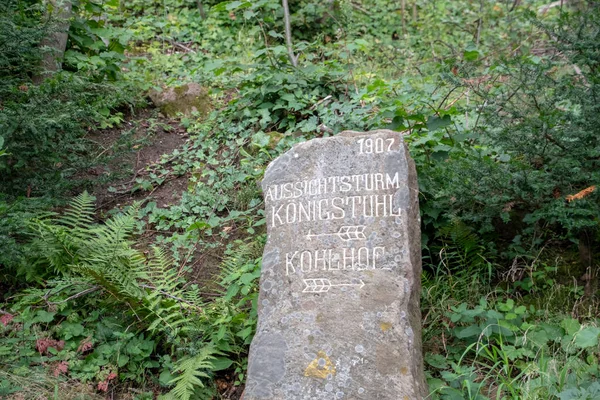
<point>356,232</point>
<point>322,285</point>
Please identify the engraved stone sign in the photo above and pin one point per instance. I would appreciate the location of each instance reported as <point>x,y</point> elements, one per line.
<point>339,313</point>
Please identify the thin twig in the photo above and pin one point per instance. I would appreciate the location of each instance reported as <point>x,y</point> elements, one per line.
<point>181,46</point>
<point>201,9</point>
<point>171,296</point>
<point>479,22</point>
<point>80,294</point>
<point>515,4</point>
<point>268,53</point>
<point>544,9</point>
<point>188,255</point>
<point>403,8</point>
<point>319,102</point>
<point>359,8</point>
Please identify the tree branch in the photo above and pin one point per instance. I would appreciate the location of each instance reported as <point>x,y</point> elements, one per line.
<point>201,9</point>
<point>288,33</point>
<point>80,294</point>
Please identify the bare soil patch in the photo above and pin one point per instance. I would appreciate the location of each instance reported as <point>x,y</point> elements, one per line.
<point>125,155</point>
<point>125,152</point>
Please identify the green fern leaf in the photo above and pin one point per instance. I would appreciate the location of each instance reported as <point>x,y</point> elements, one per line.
<point>191,371</point>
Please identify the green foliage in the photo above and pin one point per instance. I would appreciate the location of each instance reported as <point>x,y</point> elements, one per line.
<point>14,238</point>
<point>39,123</point>
<point>533,142</point>
<point>20,32</point>
<point>83,258</point>
<point>96,48</point>
<point>191,372</point>
<point>42,125</point>
<point>152,309</point>
<point>74,247</point>
<point>462,247</point>
<point>499,348</point>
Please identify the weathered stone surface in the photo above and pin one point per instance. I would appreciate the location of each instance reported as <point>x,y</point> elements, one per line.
<point>183,99</point>
<point>339,313</point>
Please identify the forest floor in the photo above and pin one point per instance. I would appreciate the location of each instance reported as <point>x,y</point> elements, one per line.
<point>126,154</point>
<point>129,153</point>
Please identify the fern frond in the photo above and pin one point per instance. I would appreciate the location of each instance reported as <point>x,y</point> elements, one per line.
<point>80,214</point>
<point>118,229</point>
<point>462,244</point>
<point>54,245</point>
<point>110,258</point>
<point>161,271</point>
<point>191,372</point>
<point>104,255</point>
<point>232,265</point>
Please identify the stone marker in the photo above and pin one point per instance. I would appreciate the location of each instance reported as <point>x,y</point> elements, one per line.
<point>339,313</point>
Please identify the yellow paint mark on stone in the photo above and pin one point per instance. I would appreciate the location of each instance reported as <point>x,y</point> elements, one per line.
<point>320,367</point>
<point>385,326</point>
<point>406,398</point>
<point>404,370</point>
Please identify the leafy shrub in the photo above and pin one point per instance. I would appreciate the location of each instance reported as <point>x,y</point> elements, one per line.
<point>529,172</point>
<point>106,311</point>
<point>42,125</point>
<point>95,47</point>
<point>15,236</point>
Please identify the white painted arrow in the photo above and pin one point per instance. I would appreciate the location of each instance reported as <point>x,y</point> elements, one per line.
<point>356,232</point>
<point>322,285</point>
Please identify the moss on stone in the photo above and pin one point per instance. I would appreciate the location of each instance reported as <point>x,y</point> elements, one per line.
<point>184,99</point>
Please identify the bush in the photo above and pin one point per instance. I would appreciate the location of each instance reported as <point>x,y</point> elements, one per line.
<point>42,126</point>
<point>526,171</point>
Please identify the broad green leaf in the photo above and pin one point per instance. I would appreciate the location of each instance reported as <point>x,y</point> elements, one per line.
<point>122,360</point>
<point>247,278</point>
<point>587,337</point>
<point>245,332</point>
<point>261,139</point>
<point>71,330</point>
<point>221,363</point>
<point>436,360</point>
<point>570,325</point>
<point>470,331</point>
<point>165,377</point>
<point>471,53</point>
<point>435,122</point>
<point>510,316</point>
<point>44,316</point>
<point>233,5</point>
<point>200,225</point>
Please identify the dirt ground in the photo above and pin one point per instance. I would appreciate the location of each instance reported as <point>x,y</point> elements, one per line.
<point>124,153</point>
<point>128,153</point>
